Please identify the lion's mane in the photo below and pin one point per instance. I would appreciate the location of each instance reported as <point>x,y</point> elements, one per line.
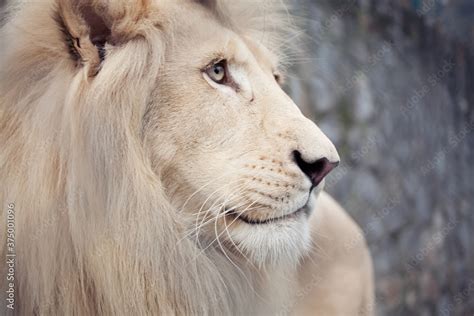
<point>94,231</point>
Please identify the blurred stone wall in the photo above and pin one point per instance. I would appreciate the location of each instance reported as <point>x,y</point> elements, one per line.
<point>391,83</point>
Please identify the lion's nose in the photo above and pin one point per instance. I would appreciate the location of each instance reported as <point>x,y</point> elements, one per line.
<point>316,170</point>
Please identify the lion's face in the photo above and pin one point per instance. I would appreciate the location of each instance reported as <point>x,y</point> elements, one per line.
<point>237,157</point>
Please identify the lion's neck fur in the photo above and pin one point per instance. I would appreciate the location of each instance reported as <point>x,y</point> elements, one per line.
<point>95,232</point>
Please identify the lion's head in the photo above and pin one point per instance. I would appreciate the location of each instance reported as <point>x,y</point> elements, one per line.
<point>236,155</point>
<point>143,133</point>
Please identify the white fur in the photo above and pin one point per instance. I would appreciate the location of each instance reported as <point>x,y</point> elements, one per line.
<point>101,158</point>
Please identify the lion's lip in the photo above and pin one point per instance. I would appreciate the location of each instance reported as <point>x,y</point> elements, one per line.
<point>254,221</point>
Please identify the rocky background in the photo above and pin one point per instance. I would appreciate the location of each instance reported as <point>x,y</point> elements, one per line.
<point>392,84</point>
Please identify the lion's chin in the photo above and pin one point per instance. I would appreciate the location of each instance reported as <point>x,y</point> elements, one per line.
<point>271,220</point>
<point>282,241</point>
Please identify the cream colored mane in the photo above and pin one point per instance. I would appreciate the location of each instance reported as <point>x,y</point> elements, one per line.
<point>95,233</point>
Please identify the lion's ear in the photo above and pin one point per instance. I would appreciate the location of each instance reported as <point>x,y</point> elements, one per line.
<point>89,25</point>
<point>211,4</point>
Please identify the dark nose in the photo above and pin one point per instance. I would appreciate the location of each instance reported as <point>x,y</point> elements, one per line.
<point>317,170</point>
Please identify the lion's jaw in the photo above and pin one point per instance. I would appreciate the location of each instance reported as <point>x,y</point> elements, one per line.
<point>226,151</point>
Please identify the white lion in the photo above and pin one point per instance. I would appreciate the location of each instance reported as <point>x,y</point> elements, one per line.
<point>155,166</point>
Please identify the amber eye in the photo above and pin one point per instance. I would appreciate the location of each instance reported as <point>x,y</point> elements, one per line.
<point>218,72</point>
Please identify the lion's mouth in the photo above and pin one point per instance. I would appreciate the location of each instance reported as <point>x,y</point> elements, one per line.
<point>272,220</point>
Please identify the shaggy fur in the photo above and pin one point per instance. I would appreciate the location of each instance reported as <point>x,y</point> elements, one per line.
<point>79,177</point>
<point>98,229</point>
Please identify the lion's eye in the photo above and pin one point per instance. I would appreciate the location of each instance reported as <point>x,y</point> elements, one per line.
<point>218,72</point>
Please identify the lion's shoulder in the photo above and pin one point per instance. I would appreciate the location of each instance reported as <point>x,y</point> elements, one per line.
<point>332,225</point>
<point>336,277</point>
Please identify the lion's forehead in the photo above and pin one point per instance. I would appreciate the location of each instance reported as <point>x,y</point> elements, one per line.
<point>205,33</point>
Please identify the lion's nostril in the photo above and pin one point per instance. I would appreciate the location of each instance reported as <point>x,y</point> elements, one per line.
<point>316,171</point>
